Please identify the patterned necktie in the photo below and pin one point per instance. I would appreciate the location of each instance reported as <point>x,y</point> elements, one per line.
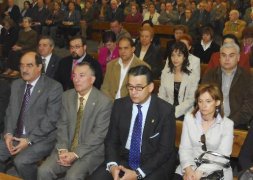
<point>135,147</point>
<point>43,65</point>
<point>78,123</point>
<point>75,62</point>
<point>20,123</point>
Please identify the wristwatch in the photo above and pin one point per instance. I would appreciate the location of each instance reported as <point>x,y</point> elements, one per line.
<point>139,176</point>
<point>29,142</point>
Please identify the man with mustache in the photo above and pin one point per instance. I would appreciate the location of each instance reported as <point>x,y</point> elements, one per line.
<point>31,117</point>
<point>77,48</point>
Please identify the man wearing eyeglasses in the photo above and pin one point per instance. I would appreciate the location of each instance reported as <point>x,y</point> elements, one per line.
<point>114,85</point>
<point>141,136</point>
<point>77,49</point>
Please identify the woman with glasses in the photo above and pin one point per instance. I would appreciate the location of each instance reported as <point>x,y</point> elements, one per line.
<point>178,83</point>
<point>205,129</point>
<point>109,51</point>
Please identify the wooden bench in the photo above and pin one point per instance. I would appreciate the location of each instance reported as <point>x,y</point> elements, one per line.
<point>8,177</point>
<point>164,32</point>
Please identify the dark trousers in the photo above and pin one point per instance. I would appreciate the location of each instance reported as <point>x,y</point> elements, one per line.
<point>13,60</point>
<point>165,172</point>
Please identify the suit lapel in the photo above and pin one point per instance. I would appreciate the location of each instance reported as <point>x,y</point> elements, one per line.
<point>89,108</point>
<point>151,121</point>
<point>20,95</point>
<point>124,131</point>
<point>236,77</point>
<point>51,66</point>
<point>117,72</point>
<point>73,112</point>
<point>37,90</point>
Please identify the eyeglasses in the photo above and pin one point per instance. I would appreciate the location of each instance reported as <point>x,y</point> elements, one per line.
<point>203,141</point>
<point>137,88</point>
<point>75,47</point>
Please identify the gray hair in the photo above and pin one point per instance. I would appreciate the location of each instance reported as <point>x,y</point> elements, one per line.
<point>28,19</point>
<point>230,45</point>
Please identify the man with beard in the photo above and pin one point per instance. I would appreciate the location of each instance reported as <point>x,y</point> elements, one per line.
<point>77,48</point>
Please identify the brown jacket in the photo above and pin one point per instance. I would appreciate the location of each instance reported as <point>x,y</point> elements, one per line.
<point>112,77</point>
<point>240,94</point>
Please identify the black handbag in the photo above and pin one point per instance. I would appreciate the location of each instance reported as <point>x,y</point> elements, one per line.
<point>216,175</point>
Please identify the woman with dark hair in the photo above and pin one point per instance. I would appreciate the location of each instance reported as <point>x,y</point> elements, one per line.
<point>206,47</point>
<point>26,7</point>
<point>149,52</point>
<point>205,129</point>
<point>109,51</point>
<point>178,83</point>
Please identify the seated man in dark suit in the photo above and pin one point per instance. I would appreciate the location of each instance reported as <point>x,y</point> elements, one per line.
<point>31,116</point>
<point>236,85</point>
<point>141,136</point>
<point>77,48</point>
<point>50,61</point>
<point>5,92</point>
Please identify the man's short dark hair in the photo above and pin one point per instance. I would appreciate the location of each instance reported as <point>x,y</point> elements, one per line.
<point>78,37</point>
<point>130,40</point>
<point>51,41</point>
<point>115,19</point>
<point>141,70</point>
<point>85,63</point>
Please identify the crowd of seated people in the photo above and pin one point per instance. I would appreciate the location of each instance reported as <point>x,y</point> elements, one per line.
<point>125,71</point>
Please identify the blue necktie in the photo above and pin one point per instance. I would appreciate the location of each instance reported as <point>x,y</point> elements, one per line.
<point>135,147</point>
<point>20,123</point>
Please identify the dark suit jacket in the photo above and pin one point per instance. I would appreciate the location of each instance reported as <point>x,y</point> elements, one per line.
<point>14,13</point>
<point>42,111</point>
<point>240,94</point>
<point>246,154</point>
<point>153,57</point>
<point>205,56</point>
<point>52,66</point>
<point>5,92</point>
<point>119,15</point>
<point>155,152</point>
<point>63,74</point>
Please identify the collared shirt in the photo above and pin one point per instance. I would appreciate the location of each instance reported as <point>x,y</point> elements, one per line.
<point>226,84</point>
<point>123,72</point>
<point>144,110</point>
<point>31,90</point>
<point>205,46</point>
<point>85,97</point>
<point>78,60</point>
<point>47,59</point>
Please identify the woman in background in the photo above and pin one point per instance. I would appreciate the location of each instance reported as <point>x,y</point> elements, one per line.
<point>178,84</point>
<point>151,15</point>
<point>109,51</point>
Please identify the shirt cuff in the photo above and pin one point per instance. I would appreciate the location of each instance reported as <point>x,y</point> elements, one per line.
<point>141,172</point>
<point>8,134</point>
<point>76,155</point>
<point>110,164</point>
